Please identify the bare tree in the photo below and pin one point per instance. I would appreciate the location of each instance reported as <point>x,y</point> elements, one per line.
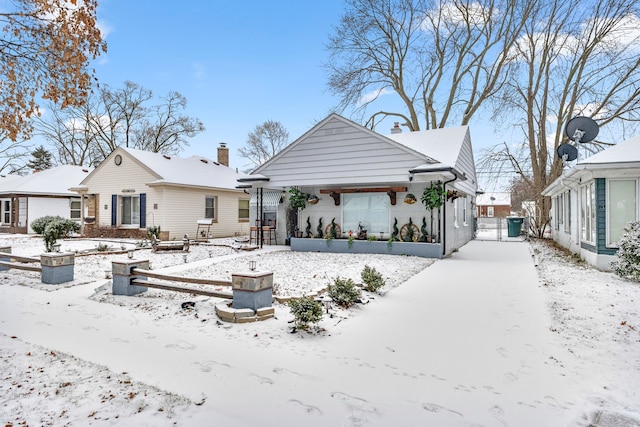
<point>13,155</point>
<point>118,117</point>
<point>165,129</point>
<point>46,46</point>
<point>265,141</point>
<point>570,60</point>
<point>442,59</point>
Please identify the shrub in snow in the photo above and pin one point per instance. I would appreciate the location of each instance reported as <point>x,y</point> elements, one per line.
<point>56,229</point>
<point>39,224</point>
<point>343,292</point>
<point>372,279</point>
<point>305,310</point>
<point>628,264</point>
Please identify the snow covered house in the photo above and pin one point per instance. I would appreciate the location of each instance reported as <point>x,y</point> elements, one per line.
<point>133,189</point>
<point>26,198</point>
<point>360,180</point>
<point>593,201</point>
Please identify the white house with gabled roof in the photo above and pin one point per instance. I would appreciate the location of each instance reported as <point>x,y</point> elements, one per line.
<point>362,179</point>
<point>45,193</point>
<point>133,189</point>
<point>593,201</point>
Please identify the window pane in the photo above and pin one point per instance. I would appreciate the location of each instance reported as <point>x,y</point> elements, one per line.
<point>370,209</point>
<point>622,207</point>
<point>130,210</point>
<point>243,209</point>
<point>210,207</point>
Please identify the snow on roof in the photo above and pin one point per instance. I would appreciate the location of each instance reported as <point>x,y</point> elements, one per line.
<point>190,171</point>
<point>443,144</point>
<point>500,199</point>
<point>8,182</point>
<point>627,151</point>
<point>50,182</point>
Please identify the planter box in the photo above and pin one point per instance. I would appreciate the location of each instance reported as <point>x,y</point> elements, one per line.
<point>425,250</point>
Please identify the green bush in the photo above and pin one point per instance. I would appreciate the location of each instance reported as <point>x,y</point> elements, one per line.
<point>153,231</point>
<point>305,310</point>
<point>103,247</point>
<point>39,224</point>
<point>628,264</point>
<point>372,279</point>
<point>343,292</point>
<point>57,229</point>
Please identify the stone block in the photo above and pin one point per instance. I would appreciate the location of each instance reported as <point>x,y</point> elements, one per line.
<point>245,319</point>
<point>265,311</point>
<point>244,312</point>
<point>252,281</point>
<point>57,275</point>
<point>54,259</point>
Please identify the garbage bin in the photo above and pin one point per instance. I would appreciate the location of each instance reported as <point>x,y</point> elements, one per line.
<point>514,225</point>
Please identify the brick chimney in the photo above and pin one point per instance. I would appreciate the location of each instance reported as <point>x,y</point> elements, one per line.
<point>223,154</point>
<point>396,128</point>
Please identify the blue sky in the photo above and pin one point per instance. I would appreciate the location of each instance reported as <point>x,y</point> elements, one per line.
<point>238,63</point>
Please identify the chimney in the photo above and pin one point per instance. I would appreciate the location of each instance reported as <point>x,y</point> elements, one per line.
<point>223,154</point>
<point>396,128</point>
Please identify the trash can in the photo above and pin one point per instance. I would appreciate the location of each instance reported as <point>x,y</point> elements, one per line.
<point>514,225</point>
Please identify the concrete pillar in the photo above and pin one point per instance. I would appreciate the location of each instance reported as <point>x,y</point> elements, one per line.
<point>122,277</point>
<point>253,289</point>
<point>57,267</point>
<point>5,252</point>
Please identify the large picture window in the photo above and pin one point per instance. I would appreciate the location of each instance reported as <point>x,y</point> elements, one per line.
<point>371,210</point>
<point>130,210</point>
<point>622,204</point>
<point>588,213</point>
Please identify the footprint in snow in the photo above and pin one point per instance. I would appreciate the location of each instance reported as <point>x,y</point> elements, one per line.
<point>309,409</point>
<point>432,407</point>
<point>182,345</point>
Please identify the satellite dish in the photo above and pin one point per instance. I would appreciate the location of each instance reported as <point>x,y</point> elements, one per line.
<point>567,152</point>
<point>582,129</point>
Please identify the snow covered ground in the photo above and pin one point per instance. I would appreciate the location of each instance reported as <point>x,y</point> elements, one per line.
<point>480,338</point>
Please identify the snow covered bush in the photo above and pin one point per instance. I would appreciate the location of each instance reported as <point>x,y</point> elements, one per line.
<point>372,279</point>
<point>39,224</point>
<point>305,310</point>
<point>56,229</point>
<point>343,292</point>
<point>628,264</point>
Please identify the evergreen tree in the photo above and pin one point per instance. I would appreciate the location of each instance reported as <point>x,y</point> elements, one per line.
<point>41,159</point>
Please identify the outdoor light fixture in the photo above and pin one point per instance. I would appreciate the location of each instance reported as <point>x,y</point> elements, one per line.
<point>326,300</point>
<point>130,253</point>
<point>252,265</point>
<point>184,258</point>
<point>56,247</point>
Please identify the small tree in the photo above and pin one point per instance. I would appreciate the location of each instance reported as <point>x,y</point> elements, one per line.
<point>628,264</point>
<point>343,292</point>
<point>305,310</point>
<point>433,198</point>
<point>372,279</point>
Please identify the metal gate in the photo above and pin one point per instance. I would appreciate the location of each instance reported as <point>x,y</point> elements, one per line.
<point>497,229</point>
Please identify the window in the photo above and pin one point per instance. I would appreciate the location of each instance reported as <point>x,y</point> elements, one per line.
<point>588,213</point>
<point>369,209</point>
<point>75,209</point>
<point>243,210</point>
<point>6,211</point>
<point>490,211</point>
<point>210,207</point>
<point>130,210</point>
<point>559,211</point>
<point>464,210</point>
<point>455,213</point>
<point>622,208</point>
<point>567,212</point>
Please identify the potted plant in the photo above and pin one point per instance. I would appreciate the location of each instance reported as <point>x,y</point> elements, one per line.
<point>433,198</point>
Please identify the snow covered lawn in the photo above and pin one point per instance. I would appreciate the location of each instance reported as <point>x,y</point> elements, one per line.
<point>449,344</point>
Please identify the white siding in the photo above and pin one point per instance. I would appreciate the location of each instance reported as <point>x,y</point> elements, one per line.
<point>339,153</point>
<point>43,206</point>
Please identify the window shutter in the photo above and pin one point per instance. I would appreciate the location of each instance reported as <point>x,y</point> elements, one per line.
<point>114,209</point>
<point>143,210</point>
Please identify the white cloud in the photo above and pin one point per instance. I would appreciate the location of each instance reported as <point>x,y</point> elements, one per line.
<point>372,96</point>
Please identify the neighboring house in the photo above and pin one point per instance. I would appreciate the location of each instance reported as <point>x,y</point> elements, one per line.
<point>362,178</point>
<point>133,189</point>
<point>493,205</point>
<point>594,201</point>
<point>26,198</point>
